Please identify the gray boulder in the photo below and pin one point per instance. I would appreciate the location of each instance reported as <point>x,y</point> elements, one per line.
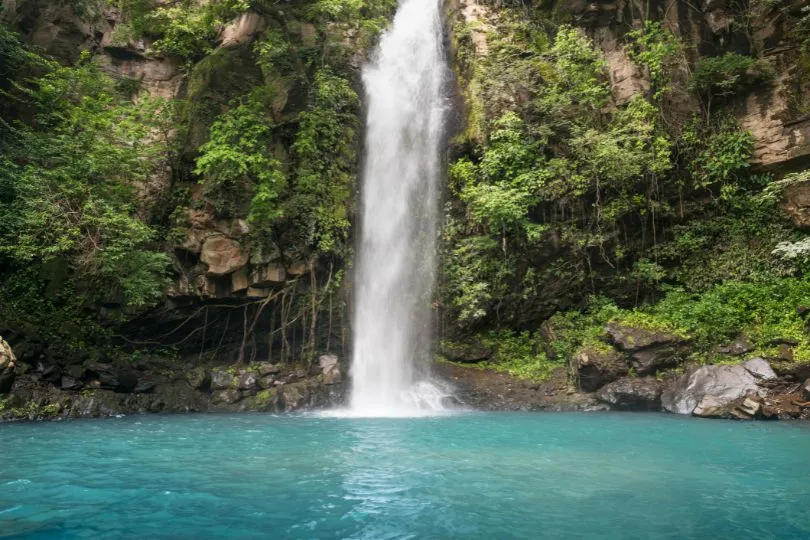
<point>632,393</point>
<point>633,338</point>
<point>738,347</point>
<point>655,358</point>
<point>760,369</point>
<point>222,380</point>
<point>267,368</point>
<point>248,380</point>
<point>723,384</point>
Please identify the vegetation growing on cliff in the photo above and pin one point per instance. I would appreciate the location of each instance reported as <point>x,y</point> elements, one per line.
<point>564,194</point>
<point>71,165</point>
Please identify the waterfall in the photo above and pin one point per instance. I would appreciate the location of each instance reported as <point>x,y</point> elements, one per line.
<point>396,250</point>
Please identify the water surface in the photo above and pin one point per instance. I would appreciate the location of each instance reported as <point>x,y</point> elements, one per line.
<point>494,475</point>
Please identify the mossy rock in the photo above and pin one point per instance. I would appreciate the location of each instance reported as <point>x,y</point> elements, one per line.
<point>264,400</point>
<point>220,77</point>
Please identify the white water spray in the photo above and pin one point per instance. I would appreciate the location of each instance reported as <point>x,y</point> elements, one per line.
<point>395,275</point>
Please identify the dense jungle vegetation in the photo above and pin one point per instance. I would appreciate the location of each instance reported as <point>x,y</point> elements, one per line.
<point>268,131</point>
<point>569,210</point>
<point>565,209</point>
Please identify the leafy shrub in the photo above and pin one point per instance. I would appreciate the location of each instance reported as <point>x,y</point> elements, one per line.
<point>518,354</point>
<point>67,192</point>
<point>722,76</point>
<point>655,48</point>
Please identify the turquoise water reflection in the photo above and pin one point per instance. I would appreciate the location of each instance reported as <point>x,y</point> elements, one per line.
<point>494,475</point>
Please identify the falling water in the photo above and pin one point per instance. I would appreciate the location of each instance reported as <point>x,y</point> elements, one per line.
<point>395,275</point>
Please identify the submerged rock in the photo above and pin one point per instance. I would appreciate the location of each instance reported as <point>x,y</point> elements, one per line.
<point>632,393</point>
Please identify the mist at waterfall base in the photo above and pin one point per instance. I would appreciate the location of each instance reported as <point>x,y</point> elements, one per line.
<point>396,251</point>
<point>480,475</point>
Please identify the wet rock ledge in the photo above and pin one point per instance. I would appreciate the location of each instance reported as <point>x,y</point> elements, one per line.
<point>154,384</point>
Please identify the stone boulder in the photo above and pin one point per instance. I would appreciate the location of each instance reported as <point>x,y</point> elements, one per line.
<point>223,255</point>
<point>266,275</point>
<point>760,369</point>
<point>632,393</point>
<point>650,350</point>
<point>267,368</point>
<point>468,351</point>
<point>595,368</point>
<point>738,347</point>
<point>330,368</point>
<point>227,397</point>
<point>69,383</point>
<point>744,408</point>
<point>248,381</point>
<point>634,338</point>
<point>8,364</point>
<point>723,384</point>
<point>222,380</point>
<point>243,29</point>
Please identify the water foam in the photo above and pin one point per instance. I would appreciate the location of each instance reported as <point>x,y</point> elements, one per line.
<point>395,276</point>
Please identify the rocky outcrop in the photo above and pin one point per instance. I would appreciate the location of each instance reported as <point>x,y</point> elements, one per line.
<point>709,387</point>
<point>330,369</point>
<point>470,351</point>
<point>796,204</point>
<point>8,364</point>
<point>649,350</point>
<point>595,367</point>
<point>106,389</point>
<point>223,255</point>
<point>632,393</point>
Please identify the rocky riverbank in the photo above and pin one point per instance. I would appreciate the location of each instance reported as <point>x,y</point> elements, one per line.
<point>637,369</point>
<point>160,385</point>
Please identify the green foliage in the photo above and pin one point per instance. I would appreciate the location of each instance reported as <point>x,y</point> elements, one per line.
<point>325,151</point>
<point>764,312</point>
<point>575,78</point>
<point>722,76</point>
<point>237,156</point>
<point>518,354</point>
<point>566,332</point>
<point>77,259</point>
<point>72,198</point>
<point>719,156</point>
<point>476,276</point>
<point>186,29</point>
<point>655,48</point>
